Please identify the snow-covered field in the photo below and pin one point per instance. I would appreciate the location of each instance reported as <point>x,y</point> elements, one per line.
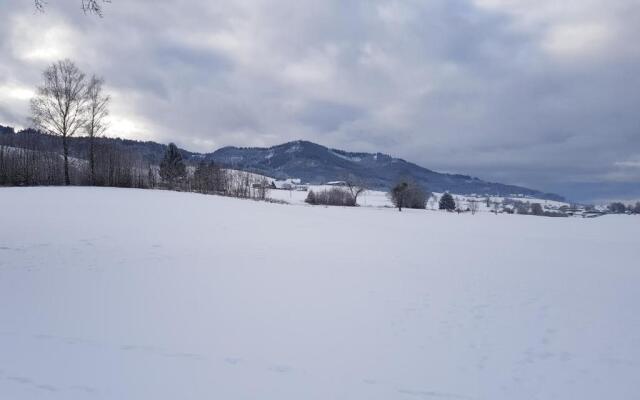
<point>370,198</point>
<point>376,198</point>
<point>134,294</point>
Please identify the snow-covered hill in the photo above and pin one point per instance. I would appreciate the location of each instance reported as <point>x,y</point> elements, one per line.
<point>140,294</point>
<point>317,164</point>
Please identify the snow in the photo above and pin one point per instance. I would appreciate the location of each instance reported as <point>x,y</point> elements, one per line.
<point>377,198</point>
<point>346,157</point>
<point>296,148</point>
<point>141,294</point>
<point>370,198</point>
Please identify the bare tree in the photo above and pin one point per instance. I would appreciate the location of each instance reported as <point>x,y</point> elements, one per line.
<point>356,187</point>
<point>60,104</point>
<point>97,111</point>
<point>262,187</point>
<point>408,194</point>
<point>88,6</point>
<point>473,206</point>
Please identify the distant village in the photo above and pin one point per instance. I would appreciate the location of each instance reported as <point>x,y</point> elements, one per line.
<point>516,204</point>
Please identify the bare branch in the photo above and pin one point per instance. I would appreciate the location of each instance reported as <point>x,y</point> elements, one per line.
<point>88,6</point>
<point>60,103</point>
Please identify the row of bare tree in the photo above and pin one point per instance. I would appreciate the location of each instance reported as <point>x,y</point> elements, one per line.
<point>110,167</point>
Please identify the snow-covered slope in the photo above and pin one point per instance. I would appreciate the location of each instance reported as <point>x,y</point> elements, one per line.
<point>318,164</point>
<point>133,294</point>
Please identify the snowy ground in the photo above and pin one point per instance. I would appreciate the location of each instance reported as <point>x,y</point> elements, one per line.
<point>133,294</point>
<point>376,198</point>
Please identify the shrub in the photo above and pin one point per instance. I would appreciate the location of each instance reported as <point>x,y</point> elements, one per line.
<point>332,197</point>
<point>409,195</point>
<point>617,208</point>
<point>311,197</point>
<point>536,209</point>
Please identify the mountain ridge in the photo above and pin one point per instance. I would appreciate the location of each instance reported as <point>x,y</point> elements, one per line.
<point>308,161</point>
<point>315,163</point>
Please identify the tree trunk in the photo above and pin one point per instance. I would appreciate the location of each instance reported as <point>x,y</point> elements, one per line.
<point>65,147</point>
<point>92,162</point>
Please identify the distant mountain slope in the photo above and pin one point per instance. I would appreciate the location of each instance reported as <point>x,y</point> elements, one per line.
<point>314,163</point>
<point>308,161</point>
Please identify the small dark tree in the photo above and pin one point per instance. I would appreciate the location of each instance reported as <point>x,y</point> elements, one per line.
<point>416,197</point>
<point>172,168</point>
<point>311,198</point>
<point>447,202</point>
<point>636,209</point>
<point>536,209</point>
<point>409,195</point>
<point>356,187</point>
<point>617,208</point>
<point>399,194</point>
<point>521,207</point>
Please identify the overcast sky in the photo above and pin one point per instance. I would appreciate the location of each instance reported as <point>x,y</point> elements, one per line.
<point>542,93</point>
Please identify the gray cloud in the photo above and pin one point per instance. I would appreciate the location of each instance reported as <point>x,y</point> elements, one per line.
<point>520,92</point>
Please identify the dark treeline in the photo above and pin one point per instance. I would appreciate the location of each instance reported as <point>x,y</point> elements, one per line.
<point>31,158</point>
<point>149,151</point>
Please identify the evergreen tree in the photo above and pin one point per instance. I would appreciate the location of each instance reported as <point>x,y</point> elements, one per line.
<point>617,208</point>
<point>172,168</point>
<point>447,202</point>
